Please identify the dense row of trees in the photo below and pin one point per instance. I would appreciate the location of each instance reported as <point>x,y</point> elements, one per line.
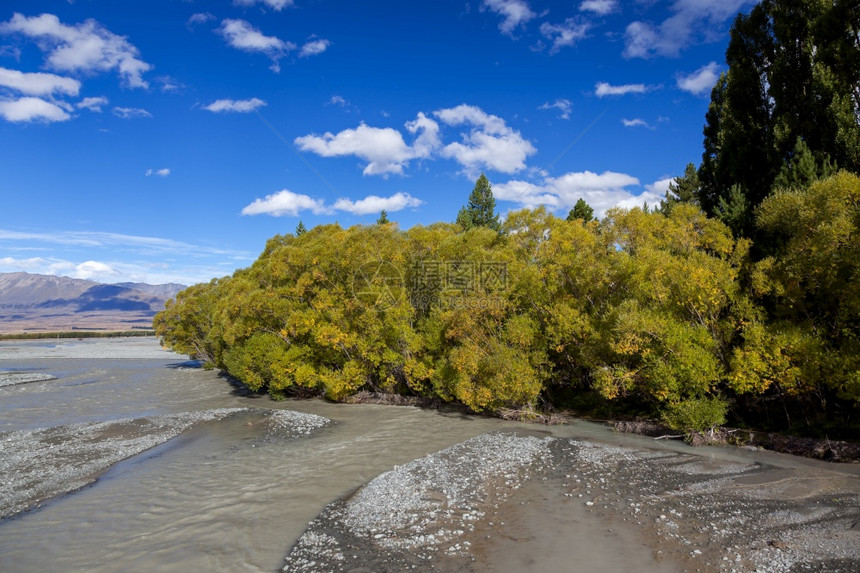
<point>792,90</point>
<point>664,312</point>
<point>738,297</point>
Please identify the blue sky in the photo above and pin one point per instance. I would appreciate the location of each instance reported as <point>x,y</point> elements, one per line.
<point>166,140</point>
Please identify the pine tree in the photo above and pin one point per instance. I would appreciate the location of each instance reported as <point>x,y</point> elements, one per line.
<point>803,168</point>
<point>581,210</point>
<point>383,218</point>
<point>683,189</point>
<point>300,229</point>
<point>480,211</point>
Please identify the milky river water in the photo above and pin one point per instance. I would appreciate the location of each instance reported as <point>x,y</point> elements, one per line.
<point>222,496</point>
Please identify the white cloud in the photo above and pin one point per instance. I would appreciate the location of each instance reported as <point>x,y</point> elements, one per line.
<point>338,101</point>
<point>602,89</point>
<point>601,191</point>
<point>32,109</point>
<point>701,81</point>
<point>101,239</point>
<point>86,47</point>
<point>384,149</point>
<point>38,84</point>
<point>489,144</point>
<point>236,106</point>
<point>94,270</point>
<point>243,36</point>
<point>692,21</point>
<point>636,123</point>
<point>160,172</point>
<point>130,112</point>
<point>30,264</point>
<point>314,47</point>
<point>169,84</point>
<point>276,5</point>
<point>601,7</point>
<point>427,140</point>
<point>93,103</point>
<point>562,105</point>
<point>565,34</point>
<point>659,187</point>
<point>200,18</point>
<point>374,204</point>
<point>285,202</point>
<point>514,13</point>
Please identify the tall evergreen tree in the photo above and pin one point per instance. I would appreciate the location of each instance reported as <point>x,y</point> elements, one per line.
<point>794,72</point>
<point>383,218</point>
<point>300,229</point>
<point>480,211</point>
<point>684,189</point>
<point>803,168</point>
<point>581,210</point>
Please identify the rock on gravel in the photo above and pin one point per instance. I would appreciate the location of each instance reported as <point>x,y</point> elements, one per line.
<point>292,424</point>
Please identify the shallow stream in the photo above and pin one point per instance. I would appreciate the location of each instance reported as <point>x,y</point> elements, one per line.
<point>231,494</point>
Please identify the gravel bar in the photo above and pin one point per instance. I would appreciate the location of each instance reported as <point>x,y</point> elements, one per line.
<point>8,378</point>
<point>448,511</point>
<point>406,516</point>
<point>40,464</point>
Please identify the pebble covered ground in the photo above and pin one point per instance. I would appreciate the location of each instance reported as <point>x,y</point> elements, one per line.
<point>11,378</point>
<point>445,511</point>
<point>406,517</point>
<point>40,464</point>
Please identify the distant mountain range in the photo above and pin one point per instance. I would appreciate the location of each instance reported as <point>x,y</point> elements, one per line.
<point>34,303</point>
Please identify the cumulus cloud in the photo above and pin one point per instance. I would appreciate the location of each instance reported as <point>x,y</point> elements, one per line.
<point>562,105</point>
<point>276,5</point>
<point>701,81</point>
<point>38,84</point>
<point>514,13</point>
<point>28,109</point>
<point>659,187</point>
<point>235,106</point>
<point>130,112</point>
<point>160,172</point>
<point>87,47</point>
<point>384,149</point>
<point>374,204</point>
<point>601,191</point>
<point>489,143</point>
<point>93,103</point>
<point>94,270</point>
<point>314,47</point>
<point>600,7</point>
<point>285,202</point>
<point>565,34</point>
<point>692,21</point>
<point>243,36</point>
<point>602,89</point>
